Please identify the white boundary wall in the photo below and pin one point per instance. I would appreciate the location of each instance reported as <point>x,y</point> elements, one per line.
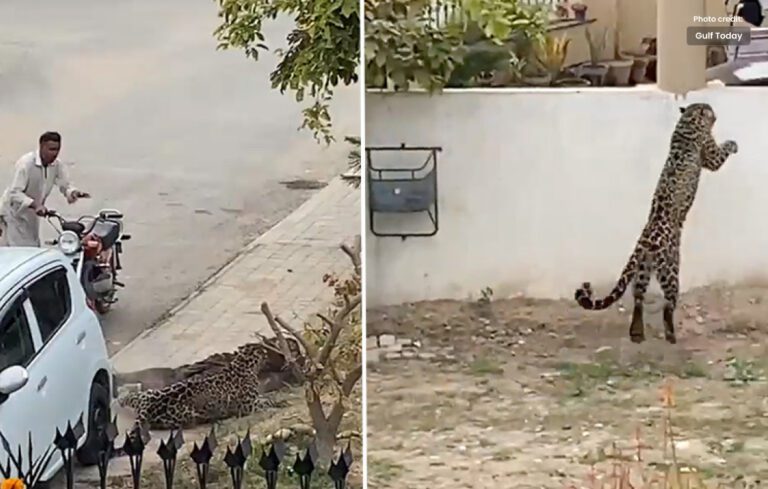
<point>540,190</point>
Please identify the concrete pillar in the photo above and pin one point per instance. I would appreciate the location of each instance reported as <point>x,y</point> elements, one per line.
<point>681,68</point>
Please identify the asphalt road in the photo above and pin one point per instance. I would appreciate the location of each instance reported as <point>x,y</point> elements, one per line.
<point>189,142</point>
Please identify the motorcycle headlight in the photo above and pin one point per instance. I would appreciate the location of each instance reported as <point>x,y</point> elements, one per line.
<point>69,242</point>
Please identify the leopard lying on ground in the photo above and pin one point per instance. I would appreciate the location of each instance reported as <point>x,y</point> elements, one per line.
<point>226,385</point>
<point>657,250</point>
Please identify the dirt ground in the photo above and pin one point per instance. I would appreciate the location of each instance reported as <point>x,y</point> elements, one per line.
<point>541,394</point>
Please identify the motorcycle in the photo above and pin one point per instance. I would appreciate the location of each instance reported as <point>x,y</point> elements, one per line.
<point>94,244</point>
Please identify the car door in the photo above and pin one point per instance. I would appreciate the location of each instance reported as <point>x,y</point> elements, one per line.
<point>27,410</point>
<point>62,344</point>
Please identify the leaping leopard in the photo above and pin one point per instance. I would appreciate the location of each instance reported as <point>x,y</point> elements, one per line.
<point>692,148</point>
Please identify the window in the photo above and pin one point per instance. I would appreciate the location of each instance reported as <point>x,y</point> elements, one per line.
<point>16,347</point>
<point>51,301</point>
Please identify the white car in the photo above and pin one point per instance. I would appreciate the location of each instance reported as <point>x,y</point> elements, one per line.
<point>54,366</point>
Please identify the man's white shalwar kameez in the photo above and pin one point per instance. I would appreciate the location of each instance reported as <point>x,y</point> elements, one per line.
<point>32,183</point>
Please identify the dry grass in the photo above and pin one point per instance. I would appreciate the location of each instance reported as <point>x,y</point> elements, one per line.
<point>627,469</point>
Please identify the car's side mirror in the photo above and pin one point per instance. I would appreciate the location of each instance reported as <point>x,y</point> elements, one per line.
<point>11,380</point>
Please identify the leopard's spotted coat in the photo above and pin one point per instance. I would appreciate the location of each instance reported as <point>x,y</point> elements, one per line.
<point>228,389</point>
<point>692,149</point>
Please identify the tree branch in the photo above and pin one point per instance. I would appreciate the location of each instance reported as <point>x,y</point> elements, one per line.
<point>283,343</point>
<point>316,411</point>
<point>336,326</point>
<point>351,380</point>
<point>353,254</point>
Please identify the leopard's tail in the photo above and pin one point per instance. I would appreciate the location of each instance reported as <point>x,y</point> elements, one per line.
<point>584,293</point>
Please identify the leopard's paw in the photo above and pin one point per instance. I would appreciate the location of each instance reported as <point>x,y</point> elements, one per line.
<point>730,147</point>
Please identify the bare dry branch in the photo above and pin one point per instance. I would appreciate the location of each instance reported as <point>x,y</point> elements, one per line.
<point>283,343</point>
<point>327,321</point>
<point>283,324</point>
<point>354,256</point>
<point>336,326</point>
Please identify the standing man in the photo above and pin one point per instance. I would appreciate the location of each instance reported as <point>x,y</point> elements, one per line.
<point>23,203</point>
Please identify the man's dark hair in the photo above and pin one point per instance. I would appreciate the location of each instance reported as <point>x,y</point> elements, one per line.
<point>51,136</point>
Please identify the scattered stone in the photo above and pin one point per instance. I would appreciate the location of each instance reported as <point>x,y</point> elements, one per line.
<point>604,350</point>
<point>485,321</point>
<point>396,348</point>
<point>387,340</point>
<point>391,355</point>
<point>408,354</point>
<point>417,343</point>
<point>373,356</point>
<point>699,320</point>
<point>371,342</point>
<point>427,356</point>
<point>567,427</point>
<point>404,342</point>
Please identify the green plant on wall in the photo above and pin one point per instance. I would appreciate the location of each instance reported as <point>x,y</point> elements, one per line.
<point>404,44</point>
<point>551,54</point>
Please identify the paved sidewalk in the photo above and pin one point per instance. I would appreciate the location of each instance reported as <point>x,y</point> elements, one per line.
<point>284,267</point>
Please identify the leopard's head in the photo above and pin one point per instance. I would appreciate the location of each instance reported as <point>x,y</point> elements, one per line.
<point>698,116</point>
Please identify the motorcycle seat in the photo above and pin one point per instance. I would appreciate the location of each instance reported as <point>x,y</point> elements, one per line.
<point>74,226</point>
<point>107,231</point>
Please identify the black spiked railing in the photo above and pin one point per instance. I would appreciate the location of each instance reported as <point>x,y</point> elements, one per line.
<point>168,453</point>
<point>202,457</point>
<point>135,443</point>
<point>304,466</point>
<point>22,463</point>
<point>236,459</point>
<point>66,444</point>
<point>340,468</point>
<point>270,461</point>
<point>107,439</point>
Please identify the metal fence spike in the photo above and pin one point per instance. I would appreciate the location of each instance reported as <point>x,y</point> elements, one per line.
<point>304,467</point>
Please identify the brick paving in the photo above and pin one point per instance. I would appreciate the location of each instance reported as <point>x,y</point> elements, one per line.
<point>284,267</point>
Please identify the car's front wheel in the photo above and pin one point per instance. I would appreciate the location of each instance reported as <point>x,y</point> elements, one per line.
<point>98,419</point>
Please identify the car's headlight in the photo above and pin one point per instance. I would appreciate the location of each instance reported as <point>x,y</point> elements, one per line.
<point>69,242</point>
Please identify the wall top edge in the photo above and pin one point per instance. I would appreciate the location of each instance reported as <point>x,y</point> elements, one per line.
<point>646,88</point>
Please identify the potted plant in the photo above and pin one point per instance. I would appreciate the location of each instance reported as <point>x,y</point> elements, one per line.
<point>579,11</point>
<point>640,62</point>
<point>551,54</point>
<point>594,70</point>
<point>536,75</point>
<point>619,68</point>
